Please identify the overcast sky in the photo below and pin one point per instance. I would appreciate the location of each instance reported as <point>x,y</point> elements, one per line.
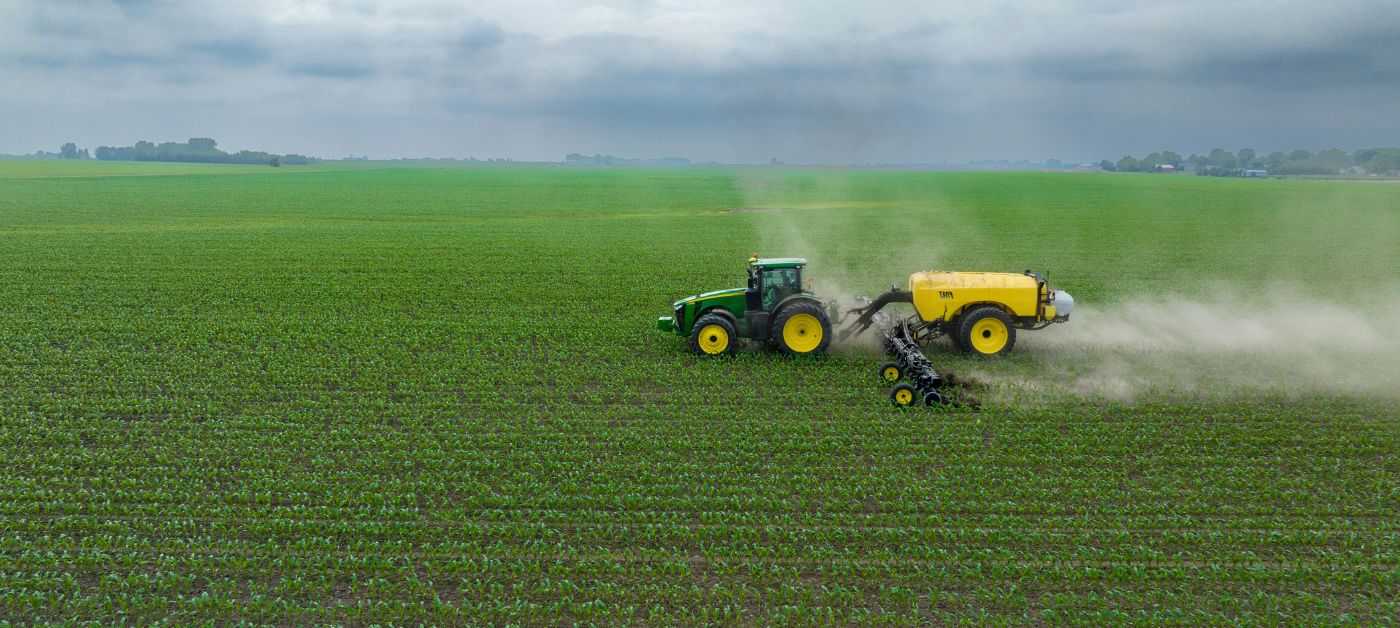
<point>804,81</point>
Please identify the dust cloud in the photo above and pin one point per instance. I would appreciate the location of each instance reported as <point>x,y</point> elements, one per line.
<point>1167,348</point>
<point>1187,348</point>
<point>817,215</point>
<point>1225,342</point>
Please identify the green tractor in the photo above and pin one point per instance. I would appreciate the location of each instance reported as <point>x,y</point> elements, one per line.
<point>774,308</point>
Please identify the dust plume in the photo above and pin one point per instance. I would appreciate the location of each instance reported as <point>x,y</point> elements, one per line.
<point>1168,348</point>
<point>856,242</point>
<point>1231,339</point>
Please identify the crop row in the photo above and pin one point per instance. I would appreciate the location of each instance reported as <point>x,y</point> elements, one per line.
<point>619,591</point>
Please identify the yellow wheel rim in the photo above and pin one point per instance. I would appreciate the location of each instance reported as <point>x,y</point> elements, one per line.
<point>904,397</point>
<point>989,335</point>
<point>890,373</point>
<point>713,339</point>
<point>802,333</point>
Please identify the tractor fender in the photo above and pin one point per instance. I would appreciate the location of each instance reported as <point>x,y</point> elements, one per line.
<point>801,296</point>
<point>718,310</point>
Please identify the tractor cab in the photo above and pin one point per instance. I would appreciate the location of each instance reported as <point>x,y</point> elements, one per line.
<point>771,280</point>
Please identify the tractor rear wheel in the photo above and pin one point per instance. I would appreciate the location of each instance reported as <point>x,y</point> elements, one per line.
<point>712,335</point>
<point>802,328</point>
<point>986,331</point>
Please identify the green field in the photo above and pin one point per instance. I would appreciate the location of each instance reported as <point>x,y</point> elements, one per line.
<point>374,394</point>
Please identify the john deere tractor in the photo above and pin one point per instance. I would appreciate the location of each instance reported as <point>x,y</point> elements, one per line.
<point>774,308</point>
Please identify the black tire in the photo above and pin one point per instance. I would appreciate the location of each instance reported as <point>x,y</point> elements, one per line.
<point>891,367</point>
<point>904,395</point>
<point>706,341</point>
<point>804,342</point>
<point>934,399</point>
<point>970,321</point>
<point>956,337</point>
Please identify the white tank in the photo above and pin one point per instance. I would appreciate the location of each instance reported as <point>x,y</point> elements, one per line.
<point>1064,304</point>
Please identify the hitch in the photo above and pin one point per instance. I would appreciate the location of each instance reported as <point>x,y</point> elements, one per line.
<point>867,314</point>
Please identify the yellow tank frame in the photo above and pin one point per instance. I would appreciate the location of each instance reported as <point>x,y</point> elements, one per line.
<point>946,295</point>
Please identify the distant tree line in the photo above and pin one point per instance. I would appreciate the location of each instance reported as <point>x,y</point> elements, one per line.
<point>70,151</point>
<point>609,160</point>
<point>201,150</point>
<point>1223,163</point>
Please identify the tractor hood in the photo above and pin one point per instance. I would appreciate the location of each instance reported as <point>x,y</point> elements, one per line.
<point>708,295</point>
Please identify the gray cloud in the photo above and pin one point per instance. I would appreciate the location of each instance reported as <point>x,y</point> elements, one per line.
<point>803,81</point>
<point>1093,67</point>
<point>332,70</point>
<point>230,51</point>
<point>1364,57</point>
<point>480,36</point>
<point>1360,59</point>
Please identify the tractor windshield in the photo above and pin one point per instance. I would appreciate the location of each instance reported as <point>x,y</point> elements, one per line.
<point>778,284</point>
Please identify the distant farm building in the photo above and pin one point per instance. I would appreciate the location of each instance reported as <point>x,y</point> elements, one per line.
<point>1165,168</point>
<point>1088,168</point>
<point>1255,174</point>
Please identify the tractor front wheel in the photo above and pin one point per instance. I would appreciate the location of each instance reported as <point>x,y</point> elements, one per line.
<point>986,331</point>
<point>802,328</point>
<point>712,335</point>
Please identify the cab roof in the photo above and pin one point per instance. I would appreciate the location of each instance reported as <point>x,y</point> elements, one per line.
<point>779,262</point>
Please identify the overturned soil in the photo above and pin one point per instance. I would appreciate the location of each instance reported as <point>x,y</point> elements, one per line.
<point>959,390</point>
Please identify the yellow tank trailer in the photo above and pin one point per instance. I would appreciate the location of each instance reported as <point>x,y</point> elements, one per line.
<point>981,311</point>
<point>989,306</point>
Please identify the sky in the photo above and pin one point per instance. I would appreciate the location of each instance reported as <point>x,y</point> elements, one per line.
<point>739,81</point>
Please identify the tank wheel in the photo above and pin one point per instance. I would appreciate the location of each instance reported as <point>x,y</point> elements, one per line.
<point>986,331</point>
<point>802,328</point>
<point>933,399</point>
<point>903,395</point>
<point>891,372</point>
<point>712,335</point>
<point>957,337</point>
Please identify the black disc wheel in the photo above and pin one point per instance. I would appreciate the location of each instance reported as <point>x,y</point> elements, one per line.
<point>903,395</point>
<point>891,372</point>
<point>986,331</point>
<point>802,328</point>
<point>713,335</point>
<point>934,399</point>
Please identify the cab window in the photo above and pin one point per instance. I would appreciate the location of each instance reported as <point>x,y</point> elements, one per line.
<point>778,284</point>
